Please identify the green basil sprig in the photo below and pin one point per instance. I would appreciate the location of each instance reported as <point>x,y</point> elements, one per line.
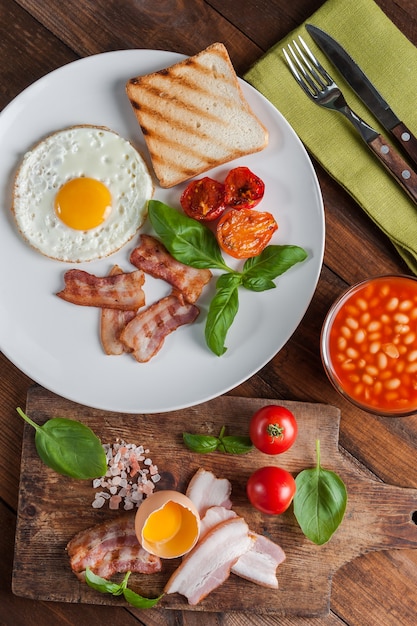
<point>194,244</point>
<point>319,502</point>
<point>224,443</point>
<point>69,447</point>
<point>187,240</point>
<point>107,586</point>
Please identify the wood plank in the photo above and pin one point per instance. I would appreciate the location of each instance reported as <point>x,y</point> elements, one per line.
<point>378,515</point>
<point>168,26</point>
<point>22,39</point>
<point>391,575</point>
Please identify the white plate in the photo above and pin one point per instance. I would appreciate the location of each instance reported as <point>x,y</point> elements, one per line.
<point>57,344</point>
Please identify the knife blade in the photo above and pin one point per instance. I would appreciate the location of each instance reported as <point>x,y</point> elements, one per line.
<point>366,91</point>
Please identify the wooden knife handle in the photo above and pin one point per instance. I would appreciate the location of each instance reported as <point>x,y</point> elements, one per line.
<point>406,139</point>
<point>396,165</point>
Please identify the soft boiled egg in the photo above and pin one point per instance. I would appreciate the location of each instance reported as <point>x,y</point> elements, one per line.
<point>81,194</point>
<point>167,524</point>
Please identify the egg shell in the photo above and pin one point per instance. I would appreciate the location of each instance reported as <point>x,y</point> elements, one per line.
<point>188,533</point>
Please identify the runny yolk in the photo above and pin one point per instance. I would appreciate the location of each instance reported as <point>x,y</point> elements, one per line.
<point>83,203</point>
<point>163,524</point>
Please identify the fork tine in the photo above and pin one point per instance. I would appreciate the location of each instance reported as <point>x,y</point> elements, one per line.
<point>313,59</point>
<point>303,69</point>
<point>306,69</point>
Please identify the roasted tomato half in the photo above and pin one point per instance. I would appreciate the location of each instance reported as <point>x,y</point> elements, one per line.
<point>243,189</point>
<point>203,199</point>
<point>245,233</point>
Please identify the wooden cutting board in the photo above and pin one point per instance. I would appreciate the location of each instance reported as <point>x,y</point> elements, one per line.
<point>52,508</point>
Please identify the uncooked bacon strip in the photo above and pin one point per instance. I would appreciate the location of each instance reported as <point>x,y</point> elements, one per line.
<point>259,564</point>
<point>112,322</point>
<point>208,565</point>
<point>146,333</point>
<point>110,547</point>
<point>153,258</point>
<point>206,490</point>
<point>121,291</point>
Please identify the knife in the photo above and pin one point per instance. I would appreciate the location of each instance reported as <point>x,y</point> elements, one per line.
<point>363,87</point>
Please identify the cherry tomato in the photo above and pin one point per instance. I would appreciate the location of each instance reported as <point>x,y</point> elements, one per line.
<point>273,429</point>
<point>203,199</point>
<point>271,489</point>
<point>243,189</point>
<point>245,233</point>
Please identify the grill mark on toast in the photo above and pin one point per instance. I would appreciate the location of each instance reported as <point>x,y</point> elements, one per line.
<point>194,116</point>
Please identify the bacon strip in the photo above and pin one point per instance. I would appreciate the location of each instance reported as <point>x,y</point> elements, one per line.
<point>146,333</point>
<point>153,258</point>
<point>112,322</point>
<point>205,491</point>
<point>208,565</point>
<point>259,564</point>
<point>110,547</point>
<point>120,291</point>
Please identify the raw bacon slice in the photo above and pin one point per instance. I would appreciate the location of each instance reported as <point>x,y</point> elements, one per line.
<point>205,491</point>
<point>259,564</point>
<point>208,565</point>
<point>153,258</point>
<point>112,322</point>
<point>146,333</point>
<point>214,515</point>
<point>110,547</point>
<point>121,291</point>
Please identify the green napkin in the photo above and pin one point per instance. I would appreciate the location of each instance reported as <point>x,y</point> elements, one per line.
<point>390,61</point>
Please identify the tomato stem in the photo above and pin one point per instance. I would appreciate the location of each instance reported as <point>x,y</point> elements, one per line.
<point>275,430</point>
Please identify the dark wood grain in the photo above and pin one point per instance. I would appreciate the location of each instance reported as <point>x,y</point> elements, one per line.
<point>37,36</point>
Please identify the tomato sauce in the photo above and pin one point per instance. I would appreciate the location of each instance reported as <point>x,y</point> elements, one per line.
<point>370,345</point>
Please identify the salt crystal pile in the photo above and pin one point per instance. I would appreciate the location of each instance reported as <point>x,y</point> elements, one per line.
<point>130,476</point>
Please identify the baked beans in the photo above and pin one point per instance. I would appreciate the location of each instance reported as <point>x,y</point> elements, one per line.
<point>370,344</point>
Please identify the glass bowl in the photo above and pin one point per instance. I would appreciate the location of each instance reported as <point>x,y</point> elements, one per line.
<point>369,345</point>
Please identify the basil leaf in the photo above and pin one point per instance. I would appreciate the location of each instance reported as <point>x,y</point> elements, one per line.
<point>319,502</point>
<point>207,443</point>
<point>222,311</point>
<point>257,283</point>
<point>273,261</point>
<point>200,443</point>
<point>188,240</point>
<point>102,584</point>
<point>229,280</point>
<point>107,586</point>
<point>69,447</point>
<point>138,601</point>
<point>236,445</point>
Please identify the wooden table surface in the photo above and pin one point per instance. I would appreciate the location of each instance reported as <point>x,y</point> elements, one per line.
<point>378,589</point>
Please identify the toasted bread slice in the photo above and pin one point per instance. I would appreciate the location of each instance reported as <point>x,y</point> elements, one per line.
<point>194,116</point>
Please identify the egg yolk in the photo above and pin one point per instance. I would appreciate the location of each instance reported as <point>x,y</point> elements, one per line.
<point>83,203</point>
<point>164,524</point>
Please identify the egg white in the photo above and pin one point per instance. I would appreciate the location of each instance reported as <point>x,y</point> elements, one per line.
<point>90,151</point>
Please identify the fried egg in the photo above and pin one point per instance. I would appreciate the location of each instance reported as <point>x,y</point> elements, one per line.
<point>81,194</point>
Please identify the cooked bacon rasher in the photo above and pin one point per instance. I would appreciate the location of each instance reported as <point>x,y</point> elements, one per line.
<point>153,258</point>
<point>145,334</point>
<point>110,547</point>
<point>112,322</point>
<point>118,291</point>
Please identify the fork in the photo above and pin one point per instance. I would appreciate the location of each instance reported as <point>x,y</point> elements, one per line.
<point>322,89</point>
